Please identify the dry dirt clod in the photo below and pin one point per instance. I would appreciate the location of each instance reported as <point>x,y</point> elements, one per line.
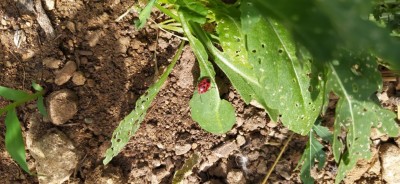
<point>65,73</point>
<point>390,157</point>
<point>62,106</point>
<point>240,140</point>
<point>180,150</point>
<point>105,174</point>
<point>235,177</point>
<point>78,78</point>
<point>224,150</point>
<point>49,4</point>
<point>51,63</point>
<point>71,26</point>
<point>55,157</point>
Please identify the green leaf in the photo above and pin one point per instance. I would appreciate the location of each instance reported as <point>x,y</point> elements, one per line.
<point>144,15</point>
<point>213,114</point>
<point>186,168</point>
<point>130,124</point>
<point>14,141</point>
<point>193,10</point>
<point>41,107</point>
<point>312,152</point>
<point>354,78</point>
<point>324,133</point>
<point>284,77</point>
<point>232,41</point>
<point>324,27</point>
<point>12,94</point>
<point>37,87</point>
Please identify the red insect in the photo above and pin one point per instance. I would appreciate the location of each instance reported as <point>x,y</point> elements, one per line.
<point>204,85</point>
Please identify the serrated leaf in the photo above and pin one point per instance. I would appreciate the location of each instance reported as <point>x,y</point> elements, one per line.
<point>186,168</point>
<point>324,27</point>
<point>130,124</point>
<point>285,78</point>
<point>144,15</point>
<point>312,152</point>
<point>354,78</point>
<point>12,94</point>
<point>213,114</point>
<point>14,141</point>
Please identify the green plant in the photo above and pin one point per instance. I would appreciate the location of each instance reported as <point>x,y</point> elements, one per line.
<point>288,56</point>
<point>13,138</point>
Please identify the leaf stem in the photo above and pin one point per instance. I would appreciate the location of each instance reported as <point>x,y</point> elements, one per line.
<point>167,12</point>
<point>22,101</point>
<point>277,159</point>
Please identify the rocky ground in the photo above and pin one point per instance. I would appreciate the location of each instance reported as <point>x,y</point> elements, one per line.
<point>95,68</point>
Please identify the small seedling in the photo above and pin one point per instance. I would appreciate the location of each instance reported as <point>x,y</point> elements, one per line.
<point>14,142</point>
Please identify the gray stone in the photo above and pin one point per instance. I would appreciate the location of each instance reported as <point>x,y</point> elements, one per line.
<point>235,177</point>
<point>390,157</point>
<point>180,150</point>
<point>55,156</point>
<point>224,150</point>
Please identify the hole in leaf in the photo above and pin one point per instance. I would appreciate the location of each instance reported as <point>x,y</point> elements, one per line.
<point>262,45</point>
<point>280,51</point>
<point>254,51</point>
<point>310,89</point>
<point>355,87</point>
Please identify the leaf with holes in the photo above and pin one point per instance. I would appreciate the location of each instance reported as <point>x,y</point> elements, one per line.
<point>354,78</point>
<point>324,27</point>
<point>130,124</point>
<point>285,78</point>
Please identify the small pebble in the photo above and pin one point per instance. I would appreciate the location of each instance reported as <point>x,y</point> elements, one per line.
<point>78,78</point>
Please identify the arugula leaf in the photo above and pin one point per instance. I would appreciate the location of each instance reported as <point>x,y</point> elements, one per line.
<point>324,27</point>
<point>354,78</point>
<point>144,15</point>
<point>284,77</point>
<point>312,152</point>
<point>213,114</point>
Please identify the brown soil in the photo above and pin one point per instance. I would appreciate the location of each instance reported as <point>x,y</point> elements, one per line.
<point>118,65</point>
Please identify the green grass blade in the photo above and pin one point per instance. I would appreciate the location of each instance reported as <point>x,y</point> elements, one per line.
<point>14,141</point>
<point>12,94</point>
<point>41,107</point>
<point>130,124</point>
<point>37,87</point>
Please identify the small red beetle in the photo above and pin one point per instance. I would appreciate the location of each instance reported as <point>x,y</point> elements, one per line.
<point>204,85</point>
